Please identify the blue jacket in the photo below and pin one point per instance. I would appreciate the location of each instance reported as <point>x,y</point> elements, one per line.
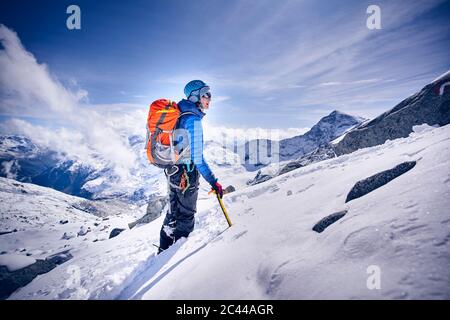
<point>192,122</point>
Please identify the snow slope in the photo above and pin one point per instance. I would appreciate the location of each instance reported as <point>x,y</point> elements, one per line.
<point>39,221</point>
<point>271,252</point>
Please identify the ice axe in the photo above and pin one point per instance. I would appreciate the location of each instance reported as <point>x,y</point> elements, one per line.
<point>222,206</point>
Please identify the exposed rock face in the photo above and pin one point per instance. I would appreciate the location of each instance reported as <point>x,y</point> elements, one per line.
<point>324,152</point>
<point>326,130</point>
<point>328,220</point>
<point>115,232</point>
<point>260,177</point>
<point>369,184</point>
<point>431,105</point>
<point>154,210</point>
<point>11,281</point>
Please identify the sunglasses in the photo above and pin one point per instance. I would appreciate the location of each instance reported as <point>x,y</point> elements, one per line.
<point>207,95</point>
<point>202,92</point>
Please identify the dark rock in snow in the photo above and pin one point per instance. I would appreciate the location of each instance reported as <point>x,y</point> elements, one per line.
<point>83,231</point>
<point>260,177</point>
<point>329,220</point>
<point>11,281</point>
<point>5,232</point>
<point>324,152</point>
<point>115,232</point>
<point>68,235</point>
<point>371,183</point>
<point>63,221</point>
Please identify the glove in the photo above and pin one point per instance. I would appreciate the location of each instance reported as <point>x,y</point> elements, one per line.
<point>217,187</point>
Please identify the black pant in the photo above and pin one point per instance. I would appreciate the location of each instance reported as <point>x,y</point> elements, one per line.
<point>179,221</point>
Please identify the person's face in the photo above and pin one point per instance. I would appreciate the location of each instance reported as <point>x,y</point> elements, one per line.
<point>205,102</point>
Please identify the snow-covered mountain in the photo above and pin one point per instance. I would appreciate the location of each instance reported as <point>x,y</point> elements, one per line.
<point>327,129</point>
<point>400,229</point>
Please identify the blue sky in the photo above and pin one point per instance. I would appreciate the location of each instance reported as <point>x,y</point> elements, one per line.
<point>270,63</point>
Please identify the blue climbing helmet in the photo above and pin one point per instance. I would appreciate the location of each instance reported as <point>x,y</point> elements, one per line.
<point>195,89</point>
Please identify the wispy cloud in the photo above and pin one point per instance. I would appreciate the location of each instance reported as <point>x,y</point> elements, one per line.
<point>308,53</point>
<point>29,89</point>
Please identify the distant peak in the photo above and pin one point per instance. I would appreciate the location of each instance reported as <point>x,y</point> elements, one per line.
<point>334,112</point>
<point>338,117</point>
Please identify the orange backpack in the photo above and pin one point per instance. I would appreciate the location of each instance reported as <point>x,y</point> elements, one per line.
<point>161,123</point>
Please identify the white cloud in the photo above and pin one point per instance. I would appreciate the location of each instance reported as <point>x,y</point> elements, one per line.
<point>29,90</point>
<point>330,84</point>
<point>218,99</point>
<point>30,82</point>
<point>338,83</point>
<point>9,169</point>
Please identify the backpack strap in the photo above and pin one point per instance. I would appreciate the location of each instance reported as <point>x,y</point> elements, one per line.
<point>163,116</point>
<point>185,113</point>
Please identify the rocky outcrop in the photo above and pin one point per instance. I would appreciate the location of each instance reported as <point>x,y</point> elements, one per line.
<point>328,220</point>
<point>115,232</point>
<point>430,105</point>
<point>371,183</point>
<point>154,210</point>
<point>324,152</point>
<point>10,281</point>
<point>260,177</point>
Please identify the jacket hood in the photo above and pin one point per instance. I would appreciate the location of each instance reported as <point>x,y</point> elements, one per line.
<point>188,106</point>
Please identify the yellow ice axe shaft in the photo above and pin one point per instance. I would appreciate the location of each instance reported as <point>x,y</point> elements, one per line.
<point>223,208</point>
